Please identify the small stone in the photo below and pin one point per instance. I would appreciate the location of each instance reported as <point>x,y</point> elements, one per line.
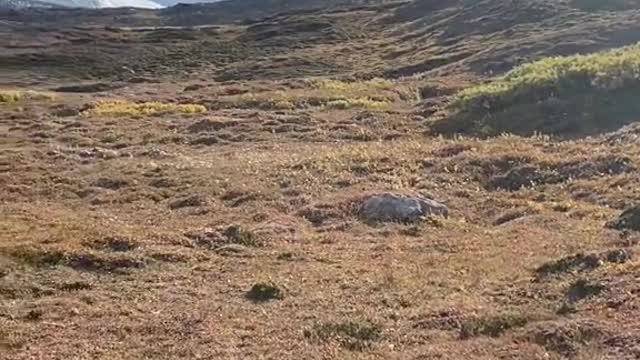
<point>386,207</point>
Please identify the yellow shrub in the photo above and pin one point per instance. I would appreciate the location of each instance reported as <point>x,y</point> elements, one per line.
<point>123,107</point>
<point>11,96</point>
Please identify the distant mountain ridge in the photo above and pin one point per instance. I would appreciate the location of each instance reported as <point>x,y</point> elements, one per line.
<point>97,4</point>
<point>89,4</point>
<point>19,4</point>
<point>67,13</point>
<point>176,2</point>
<point>232,11</point>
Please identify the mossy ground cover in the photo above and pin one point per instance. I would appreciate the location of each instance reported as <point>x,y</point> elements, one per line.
<point>578,94</point>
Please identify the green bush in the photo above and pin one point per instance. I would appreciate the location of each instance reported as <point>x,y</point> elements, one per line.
<point>577,94</point>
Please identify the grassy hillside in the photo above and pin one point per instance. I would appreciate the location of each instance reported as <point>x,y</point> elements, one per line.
<point>261,189</point>
<point>285,39</point>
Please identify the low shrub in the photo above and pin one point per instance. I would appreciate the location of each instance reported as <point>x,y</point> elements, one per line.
<point>12,96</point>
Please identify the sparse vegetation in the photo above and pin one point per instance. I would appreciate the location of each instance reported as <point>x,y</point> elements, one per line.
<point>88,87</point>
<point>355,94</point>
<point>347,88</point>
<point>583,262</point>
<point>335,94</point>
<point>221,237</point>
<point>353,335</point>
<point>83,261</point>
<point>237,234</point>
<point>493,326</point>
<point>75,286</point>
<point>128,108</point>
<point>114,243</point>
<point>575,94</point>
<point>583,289</point>
<point>570,263</point>
<point>195,200</point>
<point>365,103</point>
<point>37,256</point>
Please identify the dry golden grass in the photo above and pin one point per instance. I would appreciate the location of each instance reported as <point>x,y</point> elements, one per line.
<point>373,94</point>
<point>90,238</point>
<point>363,103</point>
<point>128,108</point>
<point>12,96</point>
<point>234,233</point>
<point>345,88</point>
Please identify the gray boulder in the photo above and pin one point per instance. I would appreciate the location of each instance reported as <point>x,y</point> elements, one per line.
<point>399,208</point>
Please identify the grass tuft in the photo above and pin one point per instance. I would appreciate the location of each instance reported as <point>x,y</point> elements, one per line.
<point>262,292</point>
<point>236,234</point>
<point>569,263</point>
<point>493,326</point>
<point>353,335</point>
<point>583,289</point>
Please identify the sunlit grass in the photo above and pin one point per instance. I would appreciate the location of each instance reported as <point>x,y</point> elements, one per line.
<point>338,87</point>
<point>12,96</point>
<point>124,107</point>
<point>361,102</point>
<point>334,94</point>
